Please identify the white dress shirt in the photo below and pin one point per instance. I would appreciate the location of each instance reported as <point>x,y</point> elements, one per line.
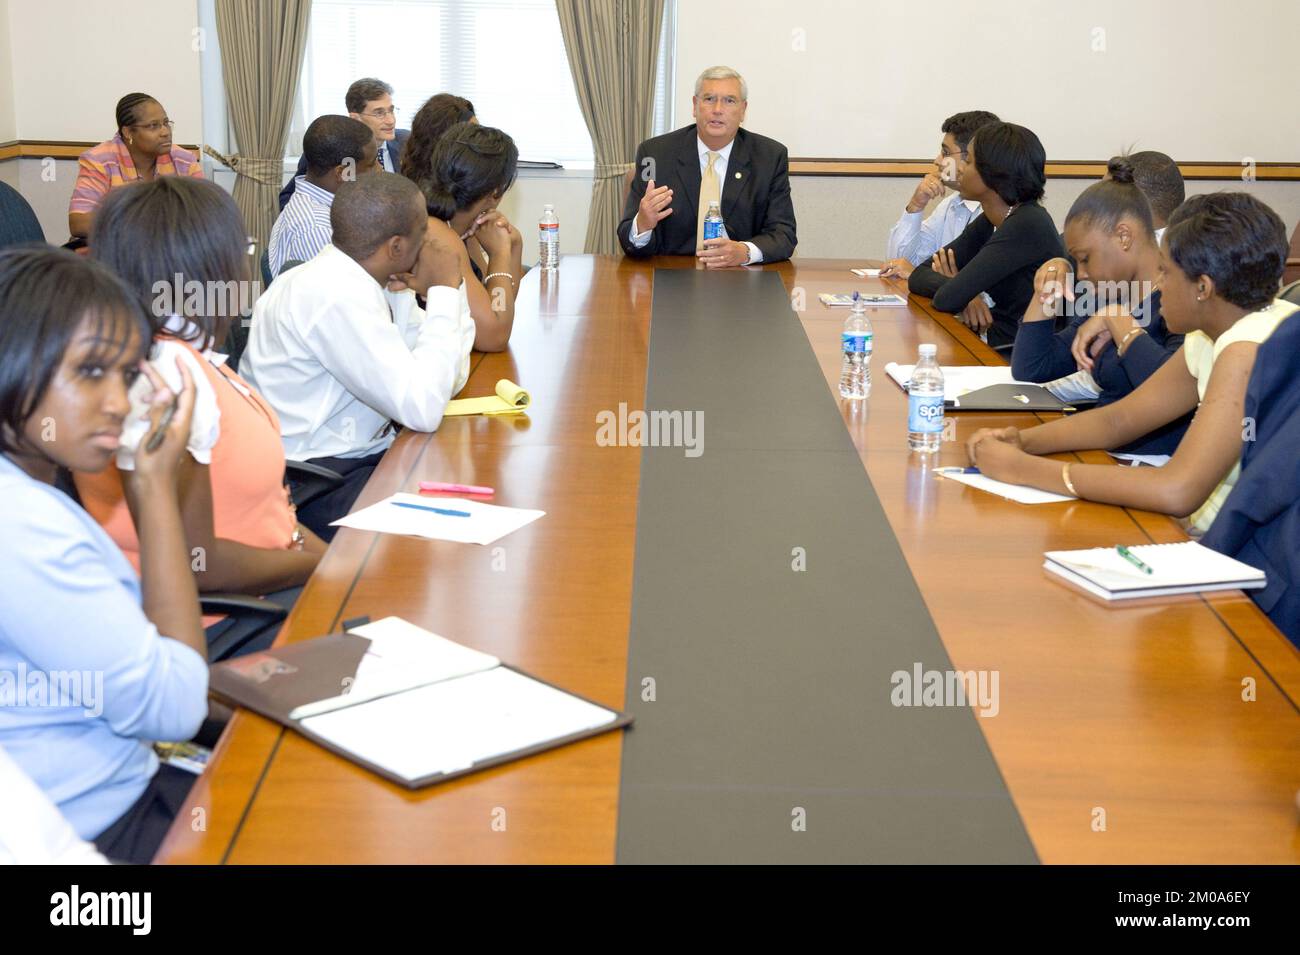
<point>339,357</point>
<point>641,239</point>
<point>32,830</point>
<point>917,241</point>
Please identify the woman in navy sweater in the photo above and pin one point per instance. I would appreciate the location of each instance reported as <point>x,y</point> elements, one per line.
<point>1119,335</point>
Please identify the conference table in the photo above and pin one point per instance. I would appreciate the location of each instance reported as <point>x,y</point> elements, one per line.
<point>1163,731</point>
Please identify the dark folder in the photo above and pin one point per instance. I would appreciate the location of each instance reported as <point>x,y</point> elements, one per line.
<point>1010,397</point>
<point>279,681</point>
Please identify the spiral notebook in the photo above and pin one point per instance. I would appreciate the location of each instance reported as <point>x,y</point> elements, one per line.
<point>1183,568</point>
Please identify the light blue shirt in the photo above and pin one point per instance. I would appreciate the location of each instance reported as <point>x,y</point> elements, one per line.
<point>303,227</point>
<point>917,241</point>
<point>70,617</point>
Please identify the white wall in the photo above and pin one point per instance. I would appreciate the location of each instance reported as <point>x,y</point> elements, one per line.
<point>8,126</point>
<point>73,60</point>
<point>1202,80</point>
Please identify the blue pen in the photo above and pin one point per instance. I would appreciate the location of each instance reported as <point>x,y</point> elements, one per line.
<point>958,470</point>
<point>437,510</point>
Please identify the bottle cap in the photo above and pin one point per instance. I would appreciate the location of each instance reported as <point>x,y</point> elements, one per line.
<point>929,351</point>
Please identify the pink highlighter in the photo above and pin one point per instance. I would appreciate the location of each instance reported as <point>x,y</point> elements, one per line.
<point>439,486</point>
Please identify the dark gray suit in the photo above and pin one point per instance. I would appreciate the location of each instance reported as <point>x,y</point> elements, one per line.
<point>756,207</point>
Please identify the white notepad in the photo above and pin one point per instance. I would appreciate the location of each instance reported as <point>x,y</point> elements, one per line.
<point>448,727</point>
<point>1020,493</point>
<point>960,380</point>
<point>1183,568</point>
<point>486,522</point>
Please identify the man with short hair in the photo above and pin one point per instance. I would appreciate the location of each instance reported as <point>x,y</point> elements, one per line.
<point>342,351</point>
<point>337,149</point>
<point>370,101</point>
<point>911,241</point>
<point>1158,177</point>
<point>677,174</point>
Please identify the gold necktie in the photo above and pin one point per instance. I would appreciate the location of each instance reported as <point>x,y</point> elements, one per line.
<point>709,192</point>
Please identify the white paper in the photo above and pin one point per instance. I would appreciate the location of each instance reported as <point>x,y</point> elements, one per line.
<point>1080,386</point>
<point>1155,460</point>
<point>401,656</point>
<point>1187,565</point>
<point>958,380</point>
<point>867,273</point>
<point>486,523</point>
<point>452,725</point>
<point>1019,493</point>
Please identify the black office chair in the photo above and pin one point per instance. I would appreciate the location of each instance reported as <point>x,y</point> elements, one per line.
<point>1291,293</point>
<point>309,481</point>
<point>18,223</point>
<point>257,613</point>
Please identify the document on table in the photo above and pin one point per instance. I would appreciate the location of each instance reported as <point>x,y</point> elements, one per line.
<point>958,380</point>
<point>1019,493</point>
<point>414,515</point>
<point>867,273</point>
<point>509,399</point>
<point>447,727</point>
<point>400,656</point>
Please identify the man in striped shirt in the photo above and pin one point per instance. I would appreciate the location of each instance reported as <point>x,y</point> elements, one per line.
<point>337,150</point>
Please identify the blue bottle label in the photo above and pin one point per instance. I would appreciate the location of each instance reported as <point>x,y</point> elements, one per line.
<point>712,228</point>
<point>850,342</point>
<point>925,413</point>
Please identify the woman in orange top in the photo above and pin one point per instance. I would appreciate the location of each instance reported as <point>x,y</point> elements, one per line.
<point>181,244</point>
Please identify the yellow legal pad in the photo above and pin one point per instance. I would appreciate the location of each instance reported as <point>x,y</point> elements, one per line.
<point>509,399</point>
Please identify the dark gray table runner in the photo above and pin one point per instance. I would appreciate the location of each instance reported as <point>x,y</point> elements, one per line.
<point>772,736</point>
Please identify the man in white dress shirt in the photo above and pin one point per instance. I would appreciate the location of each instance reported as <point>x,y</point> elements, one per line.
<point>342,351</point>
<point>911,241</point>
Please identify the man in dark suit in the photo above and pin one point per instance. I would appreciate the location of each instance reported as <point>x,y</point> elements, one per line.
<point>371,101</point>
<point>677,174</point>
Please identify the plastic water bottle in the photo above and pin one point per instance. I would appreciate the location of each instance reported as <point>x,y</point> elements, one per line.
<point>713,222</point>
<point>925,403</point>
<point>548,233</point>
<point>855,372</point>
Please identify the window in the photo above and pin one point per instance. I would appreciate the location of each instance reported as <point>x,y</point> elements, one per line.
<point>506,56</point>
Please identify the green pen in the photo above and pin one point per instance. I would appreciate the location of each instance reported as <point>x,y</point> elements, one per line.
<point>1134,559</point>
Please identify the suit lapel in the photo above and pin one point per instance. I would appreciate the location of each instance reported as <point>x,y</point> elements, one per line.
<point>688,159</point>
<point>737,165</point>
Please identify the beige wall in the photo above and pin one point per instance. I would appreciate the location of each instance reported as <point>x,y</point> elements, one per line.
<point>8,125</point>
<point>1202,80</point>
<point>73,60</point>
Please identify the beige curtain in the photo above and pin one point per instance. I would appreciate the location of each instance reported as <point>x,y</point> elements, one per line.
<point>262,43</point>
<point>612,47</point>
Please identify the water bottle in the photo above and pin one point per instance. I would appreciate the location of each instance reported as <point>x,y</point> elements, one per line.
<point>548,232</point>
<point>925,403</point>
<point>855,372</point>
<point>713,222</point>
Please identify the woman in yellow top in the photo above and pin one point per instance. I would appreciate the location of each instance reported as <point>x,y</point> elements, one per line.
<point>141,149</point>
<point>1221,264</point>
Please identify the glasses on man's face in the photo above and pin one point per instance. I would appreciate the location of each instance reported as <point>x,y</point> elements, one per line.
<point>381,113</point>
<point>710,99</point>
<point>154,127</point>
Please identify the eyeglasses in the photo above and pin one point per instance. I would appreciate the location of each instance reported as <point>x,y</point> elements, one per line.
<point>731,102</point>
<point>154,127</point>
<point>381,113</point>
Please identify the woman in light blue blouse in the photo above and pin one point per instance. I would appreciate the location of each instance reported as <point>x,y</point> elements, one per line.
<point>95,663</point>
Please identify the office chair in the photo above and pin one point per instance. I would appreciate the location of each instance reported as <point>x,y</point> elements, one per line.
<point>1291,293</point>
<point>18,223</point>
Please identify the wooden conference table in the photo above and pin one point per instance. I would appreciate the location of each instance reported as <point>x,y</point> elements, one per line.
<point>1139,711</point>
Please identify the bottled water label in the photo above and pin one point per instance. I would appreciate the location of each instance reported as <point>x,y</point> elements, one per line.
<point>925,414</point>
<point>712,229</point>
<point>855,343</point>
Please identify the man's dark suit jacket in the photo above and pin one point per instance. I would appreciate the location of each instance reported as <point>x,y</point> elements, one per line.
<point>755,208</point>
<point>394,147</point>
<point>1259,523</point>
